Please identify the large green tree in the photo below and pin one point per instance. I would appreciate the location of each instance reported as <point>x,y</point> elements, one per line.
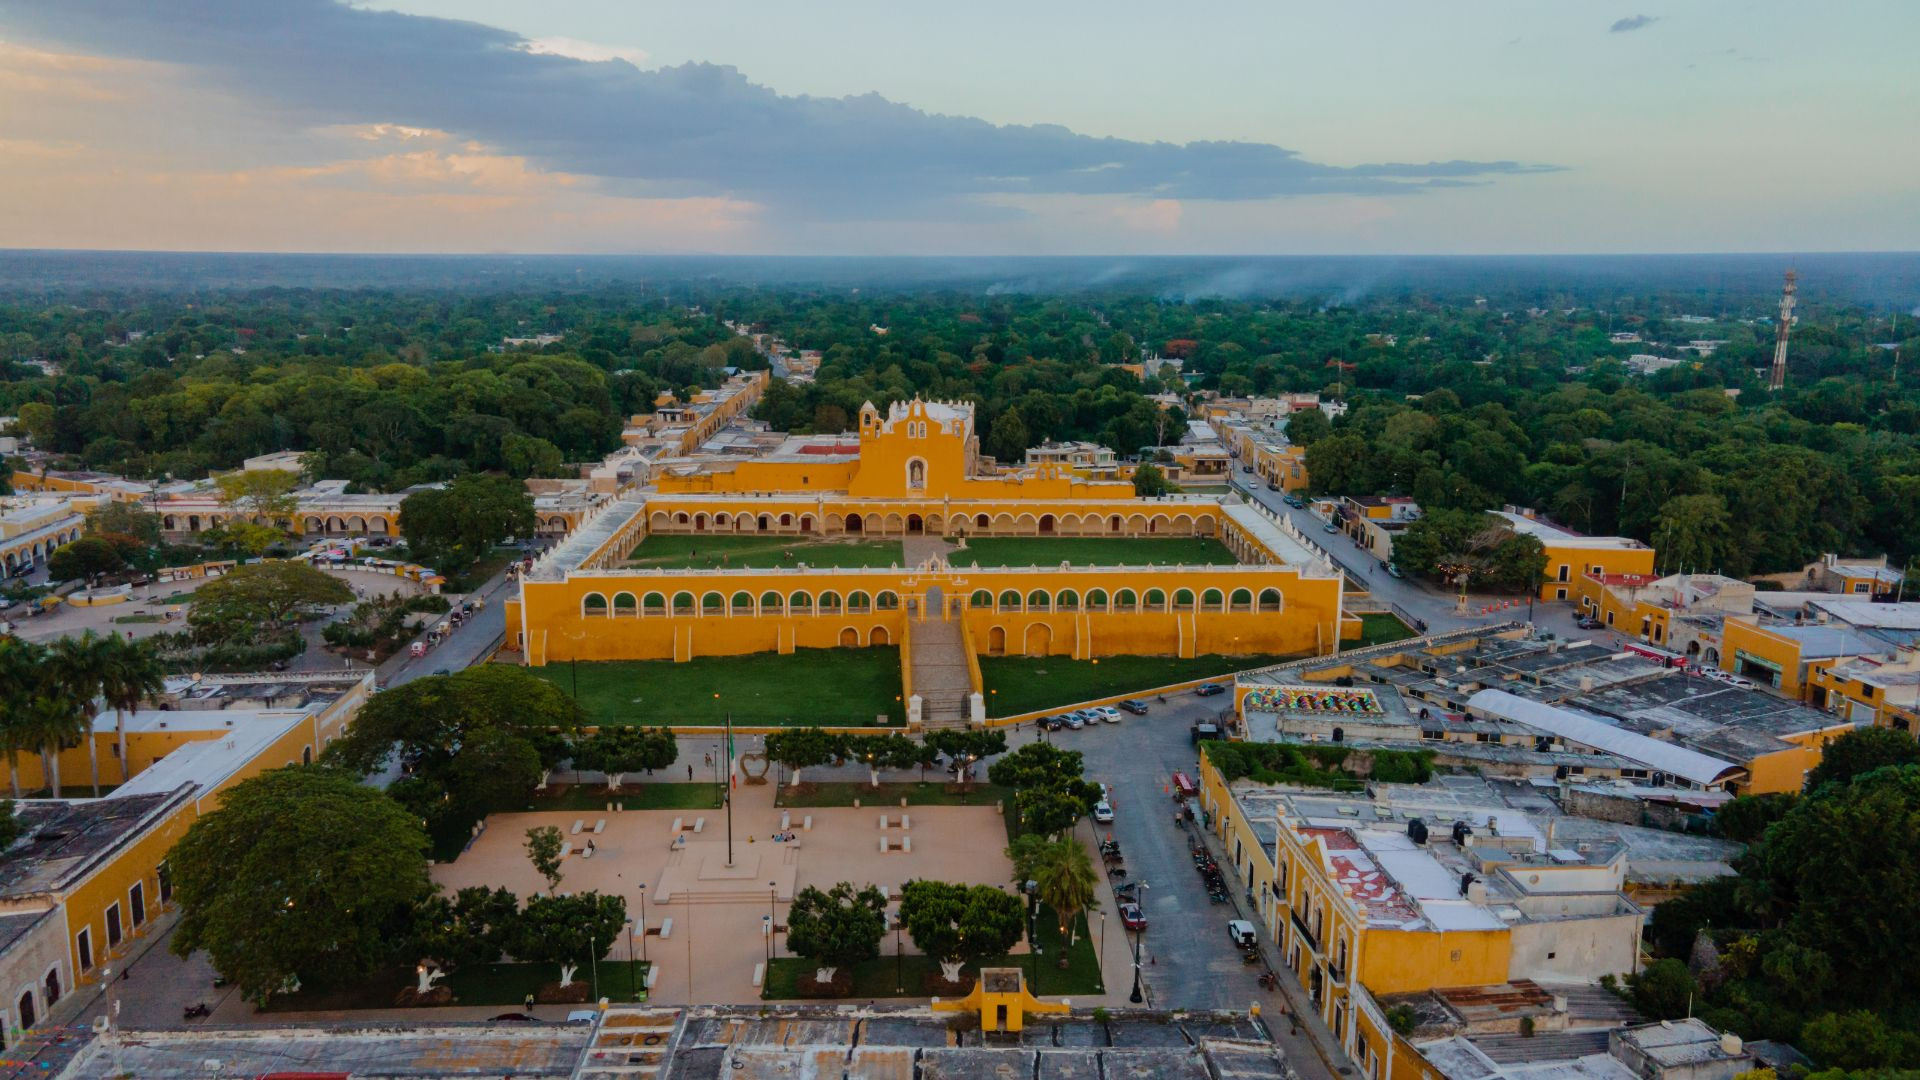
<point>1694,532</point>
<point>618,749</point>
<point>800,748</point>
<point>571,931</point>
<point>302,875</point>
<point>837,927</point>
<point>82,559</point>
<point>470,929</point>
<point>259,599</point>
<point>1861,751</point>
<point>454,525</point>
<point>959,925</point>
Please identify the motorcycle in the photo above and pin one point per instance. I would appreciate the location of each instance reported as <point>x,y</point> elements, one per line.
<point>1117,871</point>
<point>196,1011</point>
<point>1250,957</point>
<point>1269,981</point>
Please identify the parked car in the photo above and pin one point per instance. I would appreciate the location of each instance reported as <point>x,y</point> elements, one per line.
<point>518,1017</point>
<point>1103,812</point>
<point>1132,917</point>
<point>1209,689</point>
<point>1075,720</point>
<point>1727,677</point>
<point>1394,569</point>
<point>1330,527</point>
<point>1241,933</point>
<point>1107,713</point>
<point>1271,486</point>
<point>1052,723</point>
<point>1295,501</point>
<point>1135,706</point>
<point>1202,733</point>
<point>1587,622</point>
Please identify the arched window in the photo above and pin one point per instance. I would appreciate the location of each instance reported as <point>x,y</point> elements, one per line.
<point>683,603</point>
<point>680,518</point>
<point>1068,600</point>
<point>624,604</point>
<point>772,603</point>
<point>829,603</point>
<point>1156,600</point>
<point>653,604</point>
<point>1009,601</point>
<point>1097,600</point>
<point>887,601</point>
<point>859,603</point>
<point>800,604</point>
<point>1183,600</point>
<point>593,604</point>
<point>713,604</point>
<point>1211,600</point>
<point>741,604</point>
<point>1270,600</point>
<point>1038,600</point>
<point>1241,600</point>
<point>981,599</point>
<point>1126,600</point>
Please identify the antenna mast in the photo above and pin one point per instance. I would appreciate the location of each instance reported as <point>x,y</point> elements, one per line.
<point>1779,378</point>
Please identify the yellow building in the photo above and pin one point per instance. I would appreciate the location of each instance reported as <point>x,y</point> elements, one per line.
<point>917,472</point>
<point>31,527</point>
<point>1572,557</point>
<point>1358,901</point>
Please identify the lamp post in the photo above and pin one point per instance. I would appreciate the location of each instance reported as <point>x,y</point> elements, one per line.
<point>772,892</point>
<point>1100,962</point>
<point>633,989</point>
<point>1137,997</point>
<point>767,949</point>
<point>643,928</point>
<point>899,980</point>
<point>593,962</point>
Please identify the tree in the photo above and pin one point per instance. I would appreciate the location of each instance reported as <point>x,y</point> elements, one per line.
<point>129,673</point>
<point>1054,808</point>
<point>837,928</point>
<point>1063,873</point>
<point>545,849</point>
<point>302,873</point>
<point>19,675</point>
<point>260,598</point>
<point>617,750</point>
<point>805,747</point>
<point>1340,464</point>
<point>125,519</point>
<point>963,749</point>
<point>1308,426</point>
<point>71,680</point>
<point>1858,1040</point>
<point>889,751</point>
<point>1861,751</point>
<point>81,559</point>
<point>1007,439</point>
<point>568,930</point>
<point>1694,532</point>
<point>1149,482</point>
<point>260,496</point>
<point>1664,989</point>
<point>528,455</point>
<point>9,825</point>
<point>959,925</point>
<point>471,929</point>
<point>454,525</point>
<point>1035,765</point>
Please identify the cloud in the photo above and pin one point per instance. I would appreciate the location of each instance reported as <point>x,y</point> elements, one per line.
<point>1631,23</point>
<point>592,52</point>
<point>696,130</point>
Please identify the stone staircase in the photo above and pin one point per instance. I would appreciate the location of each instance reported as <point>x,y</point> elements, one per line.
<point>939,660</point>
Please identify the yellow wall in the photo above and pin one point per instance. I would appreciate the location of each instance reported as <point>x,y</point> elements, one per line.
<point>1743,634</point>
<point>31,481</point>
<point>86,905</point>
<point>1566,566</point>
<point>1787,770</point>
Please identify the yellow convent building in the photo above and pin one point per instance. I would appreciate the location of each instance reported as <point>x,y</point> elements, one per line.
<point>916,474</point>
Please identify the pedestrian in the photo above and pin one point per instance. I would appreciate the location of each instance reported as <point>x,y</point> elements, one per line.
<point>689,774</point>
<point>529,1003</point>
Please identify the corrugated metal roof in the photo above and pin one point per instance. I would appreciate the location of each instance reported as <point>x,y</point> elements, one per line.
<point>1589,730</point>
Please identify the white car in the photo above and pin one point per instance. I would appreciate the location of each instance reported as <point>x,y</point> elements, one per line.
<point>1106,712</point>
<point>1727,677</point>
<point>1103,812</point>
<point>1242,933</point>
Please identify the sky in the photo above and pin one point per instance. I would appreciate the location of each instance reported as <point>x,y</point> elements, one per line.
<point>992,127</point>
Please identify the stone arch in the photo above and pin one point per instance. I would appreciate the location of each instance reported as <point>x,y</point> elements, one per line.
<point>1271,600</point>
<point>653,604</point>
<point>1009,601</point>
<point>713,603</point>
<point>1137,524</point>
<point>722,520</point>
<point>624,603</point>
<point>168,524</point>
<point>895,525</point>
<point>1066,600</point>
<point>1026,523</point>
<point>849,638</point>
<point>741,604</point>
<point>681,518</point>
<point>981,600</point>
<point>916,474</point>
<point>916,525</point>
<point>1048,525</point>
<point>312,524</point>
<point>1212,600</point>
<point>1126,600</point>
<point>772,603</point>
<point>1003,523</point>
<point>806,523</point>
<point>683,603</point>
<point>1156,600</point>
<point>828,602</point>
<point>1114,524</point>
<point>1038,600</point>
<point>786,521</point>
<point>935,524</point>
<point>699,523</point>
<point>593,604</point>
<point>982,521</point>
<point>800,603</point>
<point>658,520</point>
<point>357,524</point>
<point>1097,600</point>
<point>835,523</point>
<point>763,523</point>
<point>1240,600</point>
<point>859,603</point>
<point>887,600</point>
<point>1183,600</point>
<point>879,636</point>
<point>1039,639</point>
<point>854,524</point>
<point>875,524</point>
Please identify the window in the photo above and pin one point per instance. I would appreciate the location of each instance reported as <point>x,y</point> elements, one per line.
<point>137,903</point>
<point>113,924</point>
<point>1456,956</point>
<point>83,944</point>
<point>1429,733</point>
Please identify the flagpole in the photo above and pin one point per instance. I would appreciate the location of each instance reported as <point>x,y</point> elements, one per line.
<point>729,788</point>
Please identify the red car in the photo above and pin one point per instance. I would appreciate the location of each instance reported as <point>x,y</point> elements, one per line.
<point>1132,917</point>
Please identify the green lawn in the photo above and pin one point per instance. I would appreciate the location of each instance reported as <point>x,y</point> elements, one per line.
<point>888,977</point>
<point>809,686</point>
<point>637,794</point>
<point>936,793</point>
<point>1094,550</point>
<point>760,552</point>
<point>1018,684</point>
<point>128,620</point>
<point>1380,627</point>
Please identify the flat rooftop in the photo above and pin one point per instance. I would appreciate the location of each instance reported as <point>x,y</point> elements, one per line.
<point>386,1049</point>
<point>207,763</point>
<point>63,839</point>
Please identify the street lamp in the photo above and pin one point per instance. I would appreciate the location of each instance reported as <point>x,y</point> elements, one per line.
<point>899,980</point>
<point>643,928</point>
<point>633,989</point>
<point>1100,962</point>
<point>1137,997</point>
<point>772,890</point>
<point>593,959</point>
<point>767,931</point>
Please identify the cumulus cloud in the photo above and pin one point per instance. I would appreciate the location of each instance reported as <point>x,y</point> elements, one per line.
<point>694,130</point>
<point>1631,23</point>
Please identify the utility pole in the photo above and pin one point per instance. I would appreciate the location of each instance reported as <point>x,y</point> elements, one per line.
<point>1779,379</point>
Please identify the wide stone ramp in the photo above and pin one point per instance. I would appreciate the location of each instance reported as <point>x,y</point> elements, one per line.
<point>939,658</point>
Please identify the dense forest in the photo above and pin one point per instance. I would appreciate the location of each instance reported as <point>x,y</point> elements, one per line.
<point>1461,404</point>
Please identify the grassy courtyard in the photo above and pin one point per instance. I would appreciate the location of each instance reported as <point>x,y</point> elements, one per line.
<point>1380,627</point>
<point>1018,684</point>
<point>886,976</point>
<point>1094,550</point>
<point>760,552</point>
<point>810,686</point>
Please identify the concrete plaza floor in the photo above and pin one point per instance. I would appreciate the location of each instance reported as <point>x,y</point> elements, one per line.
<point>719,912</point>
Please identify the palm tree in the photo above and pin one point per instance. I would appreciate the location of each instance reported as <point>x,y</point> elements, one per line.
<point>1063,875</point>
<point>54,719</point>
<point>74,667</point>
<point>129,674</point>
